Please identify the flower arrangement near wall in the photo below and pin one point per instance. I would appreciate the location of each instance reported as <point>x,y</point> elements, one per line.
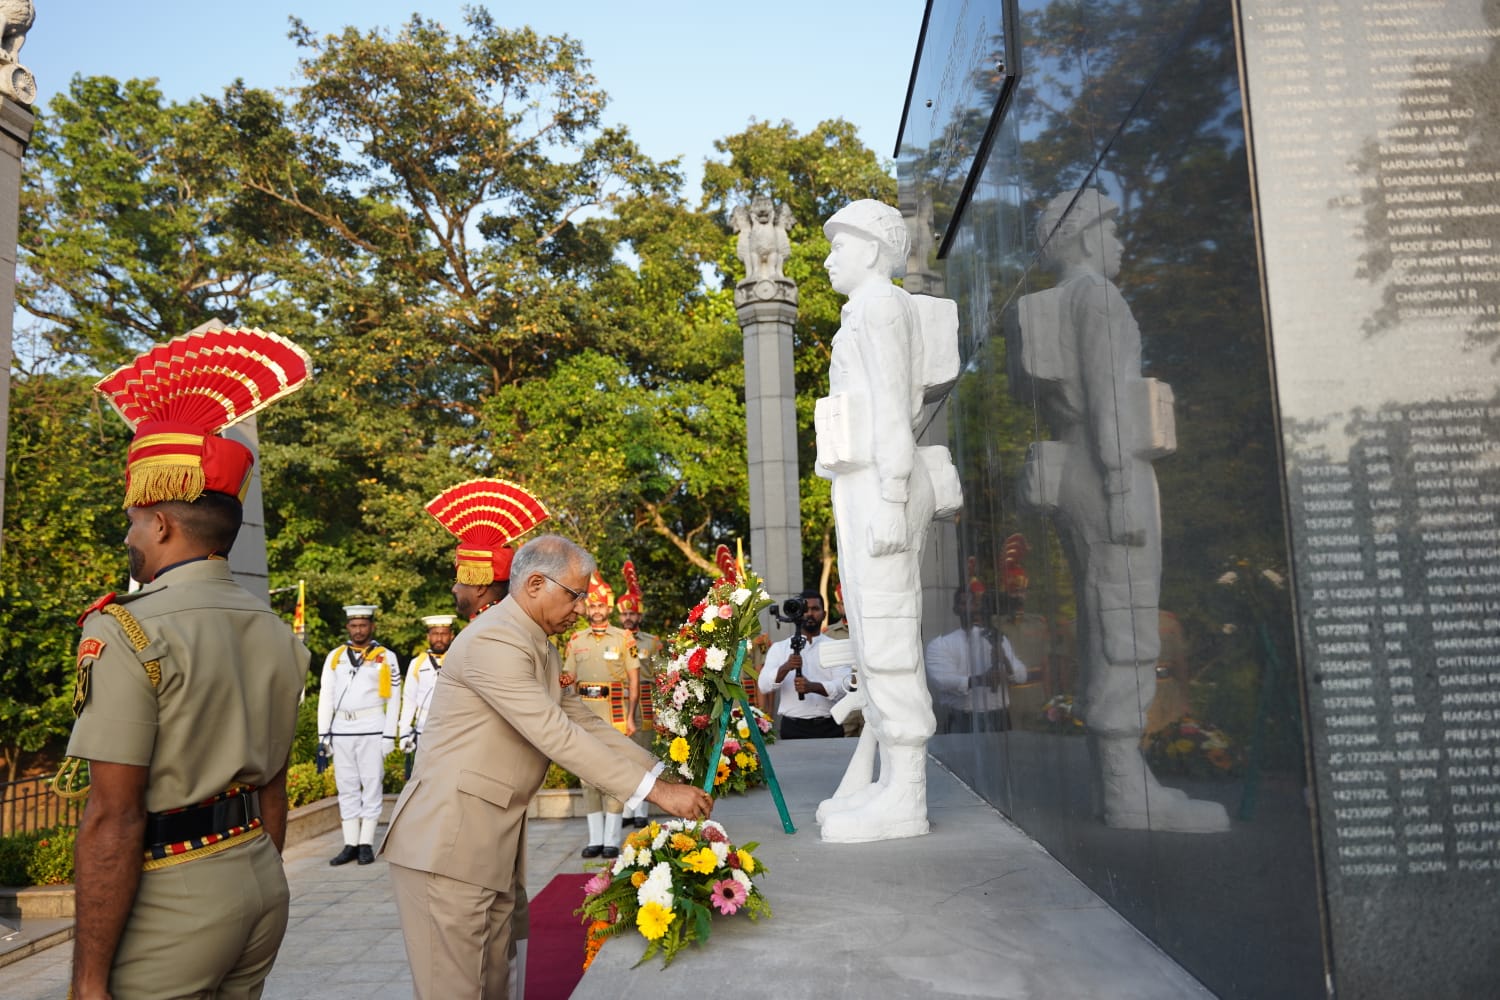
<point>669,882</point>
<point>1192,748</point>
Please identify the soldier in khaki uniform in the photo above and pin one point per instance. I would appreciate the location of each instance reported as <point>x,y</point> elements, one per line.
<point>601,664</point>
<point>186,700</point>
<point>651,656</point>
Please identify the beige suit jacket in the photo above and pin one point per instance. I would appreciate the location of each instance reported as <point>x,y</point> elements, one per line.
<point>498,715</point>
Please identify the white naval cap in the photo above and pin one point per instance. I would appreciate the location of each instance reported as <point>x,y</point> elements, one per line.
<point>353,611</point>
<point>438,621</point>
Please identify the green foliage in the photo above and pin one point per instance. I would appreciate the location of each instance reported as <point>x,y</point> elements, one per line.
<point>490,280</point>
<point>51,861</point>
<point>394,778</point>
<point>15,854</point>
<point>558,778</point>
<point>304,784</point>
<point>305,743</point>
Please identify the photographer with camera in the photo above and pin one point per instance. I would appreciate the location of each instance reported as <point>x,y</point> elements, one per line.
<point>806,690</point>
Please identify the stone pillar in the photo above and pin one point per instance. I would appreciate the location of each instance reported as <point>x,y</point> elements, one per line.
<point>767,310</point>
<point>15,132</point>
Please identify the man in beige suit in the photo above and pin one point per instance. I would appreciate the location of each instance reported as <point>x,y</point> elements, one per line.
<point>456,843</point>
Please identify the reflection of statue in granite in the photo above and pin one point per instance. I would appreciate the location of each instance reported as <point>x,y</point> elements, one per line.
<point>763,244</point>
<point>1082,349</point>
<point>886,491</point>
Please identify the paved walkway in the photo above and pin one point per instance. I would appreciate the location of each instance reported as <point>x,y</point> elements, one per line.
<point>974,909</point>
<point>343,941</point>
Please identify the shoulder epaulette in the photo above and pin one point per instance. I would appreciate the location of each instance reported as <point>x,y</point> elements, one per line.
<point>98,605</point>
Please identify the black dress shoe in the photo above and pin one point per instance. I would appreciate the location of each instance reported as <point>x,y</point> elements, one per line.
<point>366,854</point>
<point>641,822</point>
<point>593,851</point>
<point>610,852</point>
<point>348,854</point>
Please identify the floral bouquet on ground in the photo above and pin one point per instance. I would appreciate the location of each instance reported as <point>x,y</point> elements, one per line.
<point>691,696</point>
<point>667,883</point>
<point>1192,748</point>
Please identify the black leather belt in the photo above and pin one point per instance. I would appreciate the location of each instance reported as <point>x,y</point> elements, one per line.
<point>593,690</point>
<point>197,822</point>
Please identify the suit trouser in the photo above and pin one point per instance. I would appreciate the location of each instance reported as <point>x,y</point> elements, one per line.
<point>359,773</point>
<point>204,928</point>
<point>460,937</point>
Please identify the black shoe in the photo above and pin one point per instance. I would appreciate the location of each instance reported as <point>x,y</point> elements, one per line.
<point>593,851</point>
<point>348,854</point>
<point>366,854</point>
<point>610,852</point>
<point>641,822</point>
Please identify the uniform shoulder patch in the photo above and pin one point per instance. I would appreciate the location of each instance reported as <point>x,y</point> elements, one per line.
<point>108,598</point>
<point>88,651</point>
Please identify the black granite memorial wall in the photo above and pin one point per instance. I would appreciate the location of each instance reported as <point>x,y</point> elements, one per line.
<point>1308,197</point>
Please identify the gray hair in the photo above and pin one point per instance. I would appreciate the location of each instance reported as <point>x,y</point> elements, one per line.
<point>549,555</point>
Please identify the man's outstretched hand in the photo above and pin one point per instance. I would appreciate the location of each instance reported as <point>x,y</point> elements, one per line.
<point>687,801</point>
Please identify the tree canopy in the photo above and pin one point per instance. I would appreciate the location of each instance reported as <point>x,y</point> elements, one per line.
<point>489,279</point>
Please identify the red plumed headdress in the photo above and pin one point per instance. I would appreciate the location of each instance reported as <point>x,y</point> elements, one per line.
<point>180,395</point>
<point>631,599</point>
<point>485,515</point>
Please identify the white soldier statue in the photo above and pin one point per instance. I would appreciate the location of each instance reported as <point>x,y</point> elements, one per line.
<point>891,354</point>
<point>1081,350</point>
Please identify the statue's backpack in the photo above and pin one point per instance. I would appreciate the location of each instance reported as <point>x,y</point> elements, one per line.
<point>937,319</point>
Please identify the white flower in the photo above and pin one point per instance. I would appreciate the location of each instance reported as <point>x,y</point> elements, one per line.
<point>740,877</point>
<point>716,658</point>
<point>740,596</point>
<point>658,886</point>
<point>685,771</point>
<point>625,860</point>
<point>1230,628</point>
<point>679,695</point>
<point>699,691</point>
<point>659,843</point>
<point>1274,578</point>
<point>720,849</point>
<point>1229,578</point>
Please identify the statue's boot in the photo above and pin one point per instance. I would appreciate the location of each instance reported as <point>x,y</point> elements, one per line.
<point>858,784</point>
<point>898,807</point>
<point>1134,800</point>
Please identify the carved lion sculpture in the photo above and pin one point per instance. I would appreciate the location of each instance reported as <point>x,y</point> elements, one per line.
<point>763,244</point>
<point>16,16</point>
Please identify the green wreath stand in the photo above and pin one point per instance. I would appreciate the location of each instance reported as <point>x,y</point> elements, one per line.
<point>760,744</point>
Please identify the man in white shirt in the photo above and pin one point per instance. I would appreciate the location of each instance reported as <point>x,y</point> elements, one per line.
<point>420,681</point>
<point>968,674</point>
<point>806,690</point>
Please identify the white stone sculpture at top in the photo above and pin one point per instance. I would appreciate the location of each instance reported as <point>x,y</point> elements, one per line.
<point>1081,350</point>
<point>16,81</point>
<point>763,245</point>
<point>892,352</point>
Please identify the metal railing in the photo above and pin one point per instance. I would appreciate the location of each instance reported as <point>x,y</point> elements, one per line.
<point>29,805</point>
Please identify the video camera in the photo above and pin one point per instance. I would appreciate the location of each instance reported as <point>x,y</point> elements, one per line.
<point>793,612</point>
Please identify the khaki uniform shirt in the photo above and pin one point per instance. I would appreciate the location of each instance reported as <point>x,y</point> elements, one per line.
<point>603,662</point>
<point>226,709</point>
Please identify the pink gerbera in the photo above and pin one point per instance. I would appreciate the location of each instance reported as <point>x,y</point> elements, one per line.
<point>597,884</point>
<point>727,896</point>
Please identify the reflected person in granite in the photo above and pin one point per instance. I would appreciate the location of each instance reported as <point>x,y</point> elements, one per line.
<point>1082,351</point>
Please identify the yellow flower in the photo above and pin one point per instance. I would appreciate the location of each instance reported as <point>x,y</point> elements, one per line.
<point>701,861</point>
<point>638,879</point>
<point>747,863</point>
<point>722,774</point>
<point>744,731</point>
<point>679,750</point>
<point>708,626</point>
<point>683,842</point>
<point>652,919</point>
<point>742,760</point>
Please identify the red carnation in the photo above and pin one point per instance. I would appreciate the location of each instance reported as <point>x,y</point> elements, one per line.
<point>697,660</point>
<point>697,612</point>
<point>700,722</point>
<point>732,859</point>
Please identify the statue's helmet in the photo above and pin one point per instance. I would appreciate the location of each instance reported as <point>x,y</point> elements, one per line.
<point>877,221</point>
<point>1068,214</point>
